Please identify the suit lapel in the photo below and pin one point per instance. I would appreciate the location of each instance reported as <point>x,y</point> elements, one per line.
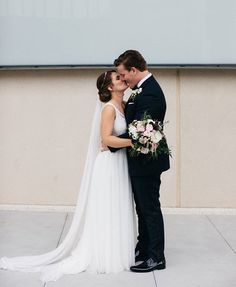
<point>130,111</point>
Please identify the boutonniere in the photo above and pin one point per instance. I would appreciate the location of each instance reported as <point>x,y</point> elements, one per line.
<point>135,93</point>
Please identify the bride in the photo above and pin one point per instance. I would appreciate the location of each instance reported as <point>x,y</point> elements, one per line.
<point>101,238</point>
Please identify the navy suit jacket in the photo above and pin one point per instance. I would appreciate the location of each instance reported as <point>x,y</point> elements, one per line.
<point>150,100</point>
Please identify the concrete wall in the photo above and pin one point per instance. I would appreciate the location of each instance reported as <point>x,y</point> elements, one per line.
<point>45,117</point>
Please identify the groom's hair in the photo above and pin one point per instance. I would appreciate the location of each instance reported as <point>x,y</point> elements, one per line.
<point>131,58</point>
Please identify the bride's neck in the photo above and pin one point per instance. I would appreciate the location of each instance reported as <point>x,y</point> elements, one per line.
<point>117,98</point>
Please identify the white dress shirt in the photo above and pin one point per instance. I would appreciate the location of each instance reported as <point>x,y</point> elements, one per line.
<point>144,79</point>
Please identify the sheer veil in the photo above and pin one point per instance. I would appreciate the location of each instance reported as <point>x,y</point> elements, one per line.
<point>38,262</point>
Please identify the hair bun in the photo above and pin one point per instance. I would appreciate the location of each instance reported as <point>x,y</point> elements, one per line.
<point>103,82</point>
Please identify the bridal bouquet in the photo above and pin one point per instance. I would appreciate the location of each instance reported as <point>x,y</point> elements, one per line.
<point>148,137</point>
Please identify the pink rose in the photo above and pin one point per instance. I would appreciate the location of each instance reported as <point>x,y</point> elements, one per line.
<point>144,150</point>
<point>147,134</point>
<point>149,127</point>
<point>140,127</point>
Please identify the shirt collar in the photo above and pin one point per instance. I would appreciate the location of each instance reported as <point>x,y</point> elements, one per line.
<point>144,79</point>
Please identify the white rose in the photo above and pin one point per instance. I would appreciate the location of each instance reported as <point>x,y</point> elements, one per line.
<point>157,137</point>
<point>132,129</point>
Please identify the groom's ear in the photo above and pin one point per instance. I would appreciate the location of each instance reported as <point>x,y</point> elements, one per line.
<point>110,88</point>
<point>133,70</point>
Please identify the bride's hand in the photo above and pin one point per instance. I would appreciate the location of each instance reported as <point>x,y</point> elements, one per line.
<point>103,147</point>
<point>131,144</point>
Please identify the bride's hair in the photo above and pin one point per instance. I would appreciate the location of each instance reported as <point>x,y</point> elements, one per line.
<point>103,82</point>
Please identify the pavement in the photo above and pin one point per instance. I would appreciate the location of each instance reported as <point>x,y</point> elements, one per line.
<point>200,251</point>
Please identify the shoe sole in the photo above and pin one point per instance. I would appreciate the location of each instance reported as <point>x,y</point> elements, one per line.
<point>137,270</point>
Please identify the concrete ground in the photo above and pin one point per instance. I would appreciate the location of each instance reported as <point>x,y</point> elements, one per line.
<point>200,251</point>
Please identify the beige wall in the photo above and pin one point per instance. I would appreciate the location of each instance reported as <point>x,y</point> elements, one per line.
<point>45,116</point>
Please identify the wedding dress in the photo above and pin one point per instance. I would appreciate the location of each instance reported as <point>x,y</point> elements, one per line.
<point>101,238</point>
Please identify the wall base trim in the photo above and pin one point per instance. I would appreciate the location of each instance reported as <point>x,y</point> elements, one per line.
<point>71,208</point>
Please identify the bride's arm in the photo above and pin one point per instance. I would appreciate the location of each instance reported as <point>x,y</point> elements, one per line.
<point>107,125</point>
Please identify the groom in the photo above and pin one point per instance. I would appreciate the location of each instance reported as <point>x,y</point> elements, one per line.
<point>145,174</point>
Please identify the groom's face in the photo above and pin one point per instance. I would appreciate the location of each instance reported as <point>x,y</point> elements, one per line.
<point>128,76</point>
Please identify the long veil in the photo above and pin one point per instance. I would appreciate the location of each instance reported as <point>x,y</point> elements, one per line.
<point>38,262</point>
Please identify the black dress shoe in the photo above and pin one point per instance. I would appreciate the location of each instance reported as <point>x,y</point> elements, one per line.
<point>149,265</point>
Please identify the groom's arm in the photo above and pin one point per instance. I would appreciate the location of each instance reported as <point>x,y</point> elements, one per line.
<point>123,136</point>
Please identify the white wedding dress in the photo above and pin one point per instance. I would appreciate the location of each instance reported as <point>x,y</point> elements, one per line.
<point>102,235</point>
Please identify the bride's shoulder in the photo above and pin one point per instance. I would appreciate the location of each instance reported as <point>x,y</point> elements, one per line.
<point>108,108</point>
